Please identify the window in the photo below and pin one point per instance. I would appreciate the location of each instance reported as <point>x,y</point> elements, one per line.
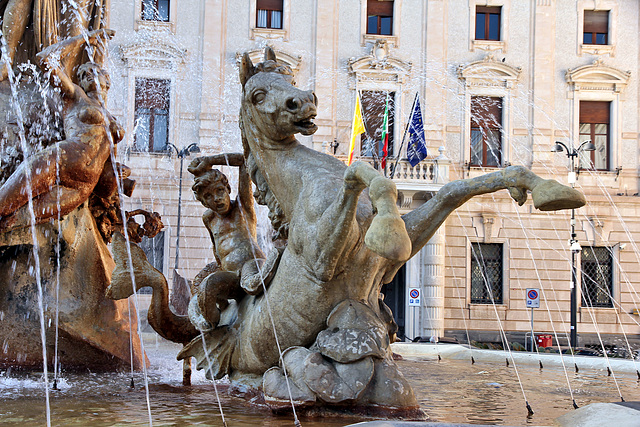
<point>373,105</point>
<point>380,17</point>
<point>269,14</point>
<point>151,115</point>
<point>486,273</point>
<point>486,131</point>
<point>597,276</point>
<point>488,23</point>
<point>595,127</point>
<point>154,250</point>
<point>596,27</point>
<point>155,10</point>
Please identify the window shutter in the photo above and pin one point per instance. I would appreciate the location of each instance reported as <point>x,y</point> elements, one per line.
<point>594,112</point>
<point>596,21</point>
<point>269,5</point>
<point>486,111</point>
<point>380,7</point>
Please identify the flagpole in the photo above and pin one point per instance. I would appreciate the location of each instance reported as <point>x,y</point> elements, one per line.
<point>406,129</point>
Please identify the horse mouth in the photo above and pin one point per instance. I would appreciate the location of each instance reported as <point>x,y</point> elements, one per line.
<point>305,123</point>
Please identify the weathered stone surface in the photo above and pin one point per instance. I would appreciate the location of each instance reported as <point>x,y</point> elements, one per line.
<point>94,330</point>
<point>343,244</point>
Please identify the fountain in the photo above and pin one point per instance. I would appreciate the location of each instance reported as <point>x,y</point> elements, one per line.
<point>304,327</point>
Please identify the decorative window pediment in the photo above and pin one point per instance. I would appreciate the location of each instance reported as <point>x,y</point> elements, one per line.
<point>157,55</point>
<point>379,65</point>
<point>597,76</point>
<point>257,55</point>
<point>489,72</point>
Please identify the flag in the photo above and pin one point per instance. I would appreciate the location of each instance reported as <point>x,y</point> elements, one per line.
<point>385,134</point>
<point>357,127</point>
<point>416,149</point>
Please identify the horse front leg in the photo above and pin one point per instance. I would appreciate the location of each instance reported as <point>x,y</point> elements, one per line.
<point>547,195</point>
<point>387,235</point>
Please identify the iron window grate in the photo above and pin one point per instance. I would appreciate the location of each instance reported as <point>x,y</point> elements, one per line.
<point>597,276</point>
<point>486,273</point>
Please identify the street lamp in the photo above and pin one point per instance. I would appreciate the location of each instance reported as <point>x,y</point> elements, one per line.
<point>191,148</point>
<point>574,246</point>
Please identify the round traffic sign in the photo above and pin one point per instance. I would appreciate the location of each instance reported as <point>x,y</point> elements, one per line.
<point>414,293</point>
<point>533,294</point>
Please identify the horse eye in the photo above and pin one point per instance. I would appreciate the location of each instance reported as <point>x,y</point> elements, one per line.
<point>258,97</point>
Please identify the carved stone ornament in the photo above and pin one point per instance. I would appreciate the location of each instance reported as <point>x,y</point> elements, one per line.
<point>597,77</point>
<point>489,72</point>
<point>379,64</point>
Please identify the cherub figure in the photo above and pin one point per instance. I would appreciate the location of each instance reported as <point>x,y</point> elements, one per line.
<point>242,266</point>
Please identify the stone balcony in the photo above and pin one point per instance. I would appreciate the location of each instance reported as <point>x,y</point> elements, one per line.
<point>415,184</point>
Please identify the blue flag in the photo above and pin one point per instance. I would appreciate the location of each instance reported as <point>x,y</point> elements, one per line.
<point>417,149</point>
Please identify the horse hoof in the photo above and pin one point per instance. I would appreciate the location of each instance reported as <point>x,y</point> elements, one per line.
<point>550,195</point>
<point>387,236</point>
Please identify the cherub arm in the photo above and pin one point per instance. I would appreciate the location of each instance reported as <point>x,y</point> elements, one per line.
<point>245,195</point>
<point>200,165</point>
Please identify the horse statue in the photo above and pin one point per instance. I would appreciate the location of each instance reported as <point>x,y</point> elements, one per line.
<point>319,334</point>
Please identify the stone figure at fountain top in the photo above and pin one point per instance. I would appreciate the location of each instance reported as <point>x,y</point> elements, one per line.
<point>63,175</point>
<point>52,21</point>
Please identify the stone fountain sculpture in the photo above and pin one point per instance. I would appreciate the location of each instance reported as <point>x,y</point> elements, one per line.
<point>319,302</point>
<point>59,194</point>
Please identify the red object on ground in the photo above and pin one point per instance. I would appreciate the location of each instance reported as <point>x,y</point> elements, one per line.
<point>544,340</point>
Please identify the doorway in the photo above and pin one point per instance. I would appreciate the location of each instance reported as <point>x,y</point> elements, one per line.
<point>394,297</point>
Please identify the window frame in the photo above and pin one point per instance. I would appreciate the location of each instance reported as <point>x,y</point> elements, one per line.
<point>488,11</point>
<point>584,104</point>
<point>484,132</point>
<point>375,137</point>
<point>141,23</point>
<point>610,6</point>
<point>489,45</point>
<point>393,39</point>
<point>151,135</point>
<point>474,260</point>
<point>380,16</point>
<point>269,33</point>
<point>595,31</point>
<point>156,9</point>
<point>270,16</point>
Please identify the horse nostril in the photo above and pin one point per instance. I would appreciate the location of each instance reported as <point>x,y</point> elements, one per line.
<point>293,104</point>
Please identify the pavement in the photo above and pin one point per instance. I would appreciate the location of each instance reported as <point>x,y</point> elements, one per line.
<point>463,352</point>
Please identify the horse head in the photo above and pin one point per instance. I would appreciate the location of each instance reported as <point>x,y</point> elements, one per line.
<point>273,109</point>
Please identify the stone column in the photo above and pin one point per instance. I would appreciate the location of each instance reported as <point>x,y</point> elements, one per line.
<point>432,272</point>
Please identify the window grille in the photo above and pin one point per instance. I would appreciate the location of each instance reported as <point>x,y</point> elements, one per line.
<point>486,273</point>
<point>597,276</point>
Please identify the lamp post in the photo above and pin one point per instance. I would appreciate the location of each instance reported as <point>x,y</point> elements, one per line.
<point>574,246</point>
<point>191,148</point>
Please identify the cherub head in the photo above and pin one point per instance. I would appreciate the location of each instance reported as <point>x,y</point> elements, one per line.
<point>212,190</point>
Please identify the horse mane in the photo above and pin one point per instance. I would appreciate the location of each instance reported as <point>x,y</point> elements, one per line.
<point>263,194</point>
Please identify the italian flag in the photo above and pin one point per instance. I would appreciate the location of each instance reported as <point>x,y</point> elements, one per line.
<point>385,134</point>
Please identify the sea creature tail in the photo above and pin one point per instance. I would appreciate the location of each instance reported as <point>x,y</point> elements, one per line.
<point>212,350</point>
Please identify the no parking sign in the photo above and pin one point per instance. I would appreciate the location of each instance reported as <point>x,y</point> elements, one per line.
<point>533,298</point>
<point>414,296</point>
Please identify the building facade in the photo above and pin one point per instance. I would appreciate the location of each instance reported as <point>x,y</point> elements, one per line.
<point>499,81</point>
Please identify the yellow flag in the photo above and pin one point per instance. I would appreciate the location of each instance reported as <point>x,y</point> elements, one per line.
<point>357,127</point>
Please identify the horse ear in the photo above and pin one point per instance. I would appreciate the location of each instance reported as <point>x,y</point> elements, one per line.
<point>269,54</point>
<point>246,69</point>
